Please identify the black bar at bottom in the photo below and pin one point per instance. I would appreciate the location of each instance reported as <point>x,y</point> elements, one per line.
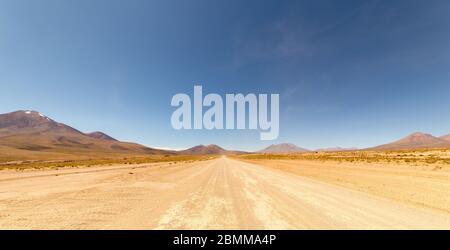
<point>191,239</point>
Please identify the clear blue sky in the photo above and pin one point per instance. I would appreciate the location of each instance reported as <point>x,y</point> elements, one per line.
<point>349,73</point>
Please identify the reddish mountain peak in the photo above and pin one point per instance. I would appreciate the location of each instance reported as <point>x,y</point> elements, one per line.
<point>420,134</point>
<point>26,117</point>
<point>416,140</point>
<point>25,121</point>
<point>418,137</point>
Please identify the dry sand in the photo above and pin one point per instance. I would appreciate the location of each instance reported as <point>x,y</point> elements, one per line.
<point>222,193</point>
<point>421,185</point>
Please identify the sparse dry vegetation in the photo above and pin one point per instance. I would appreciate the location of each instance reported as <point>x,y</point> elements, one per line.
<point>411,157</point>
<point>419,177</point>
<point>36,164</point>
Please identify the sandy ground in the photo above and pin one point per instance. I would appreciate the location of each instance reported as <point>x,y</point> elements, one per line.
<point>222,193</point>
<point>421,185</point>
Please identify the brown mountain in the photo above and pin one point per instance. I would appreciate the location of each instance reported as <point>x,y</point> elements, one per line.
<point>29,134</point>
<point>30,122</point>
<point>208,150</point>
<point>101,136</point>
<point>415,141</point>
<point>445,137</point>
<point>283,148</point>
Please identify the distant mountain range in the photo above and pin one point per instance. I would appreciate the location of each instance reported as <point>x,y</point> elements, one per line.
<point>336,149</point>
<point>283,148</point>
<point>29,134</point>
<point>416,141</point>
<point>208,150</point>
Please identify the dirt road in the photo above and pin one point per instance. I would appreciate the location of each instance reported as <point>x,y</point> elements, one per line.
<point>217,194</point>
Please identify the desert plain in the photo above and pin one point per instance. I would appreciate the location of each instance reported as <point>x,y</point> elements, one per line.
<point>341,190</point>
